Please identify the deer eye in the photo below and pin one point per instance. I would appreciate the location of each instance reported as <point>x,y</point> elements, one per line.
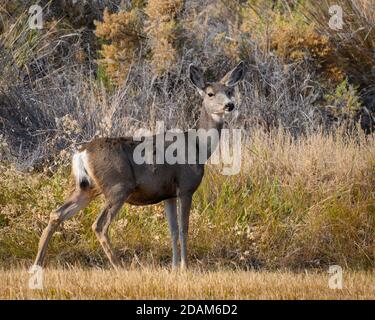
<point>210,94</point>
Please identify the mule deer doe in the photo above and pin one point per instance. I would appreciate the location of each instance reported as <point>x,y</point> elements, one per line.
<point>106,166</point>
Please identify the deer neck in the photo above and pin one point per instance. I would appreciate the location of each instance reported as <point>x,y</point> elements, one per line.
<point>207,122</point>
<point>210,121</point>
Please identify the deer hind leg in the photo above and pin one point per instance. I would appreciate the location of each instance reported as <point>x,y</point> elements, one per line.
<point>102,223</point>
<point>77,201</point>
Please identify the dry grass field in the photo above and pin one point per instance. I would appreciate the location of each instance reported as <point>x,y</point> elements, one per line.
<point>78,283</point>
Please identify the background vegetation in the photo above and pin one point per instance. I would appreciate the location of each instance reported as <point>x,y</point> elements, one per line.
<point>304,197</point>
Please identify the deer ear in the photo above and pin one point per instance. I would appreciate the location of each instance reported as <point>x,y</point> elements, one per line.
<point>234,76</point>
<point>196,77</point>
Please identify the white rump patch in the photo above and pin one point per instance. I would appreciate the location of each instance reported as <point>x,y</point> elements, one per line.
<point>79,165</point>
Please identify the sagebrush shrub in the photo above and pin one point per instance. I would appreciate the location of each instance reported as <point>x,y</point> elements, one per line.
<point>353,44</point>
<point>123,31</point>
<point>344,104</point>
<point>162,30</point>
<point>295,41</point>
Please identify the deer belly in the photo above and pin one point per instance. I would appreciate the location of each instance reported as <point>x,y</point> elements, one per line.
<point>144,195</point>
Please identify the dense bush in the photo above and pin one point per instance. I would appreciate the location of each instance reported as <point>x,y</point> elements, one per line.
<point>124,32</point>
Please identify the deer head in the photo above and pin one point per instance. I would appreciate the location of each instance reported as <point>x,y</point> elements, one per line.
<point>218,97</point>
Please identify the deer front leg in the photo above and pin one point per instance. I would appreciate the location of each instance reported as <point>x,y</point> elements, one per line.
<point>171,213</point>
<point>185,205</point>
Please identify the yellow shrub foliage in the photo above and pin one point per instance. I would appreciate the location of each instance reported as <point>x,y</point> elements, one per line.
<point>292,39</point>
<point>156,25</point>
<point>162,30</point>
<point>124,32</point>
<point>296,41</point>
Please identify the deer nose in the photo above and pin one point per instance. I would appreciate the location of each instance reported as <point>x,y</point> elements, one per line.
<point>229,106</point>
